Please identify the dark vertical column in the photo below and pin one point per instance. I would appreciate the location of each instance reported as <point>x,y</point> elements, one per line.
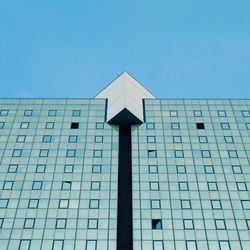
<point>124,220</point>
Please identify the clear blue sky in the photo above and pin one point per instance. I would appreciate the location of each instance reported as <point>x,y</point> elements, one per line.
<point>176,48</point>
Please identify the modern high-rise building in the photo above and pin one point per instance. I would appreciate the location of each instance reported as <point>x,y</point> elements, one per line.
<point>124,170</point>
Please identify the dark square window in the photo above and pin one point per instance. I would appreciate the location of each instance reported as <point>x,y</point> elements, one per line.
<point>61,223</point>
<point>98,138</point>
<point>28,112</point>
<point>66,185</point>
<point>24,245</point>
<point>58,245</point>
<point>96,169</point>
<point>68,168</point>
<point>40,168</point>
<point>183,186</point>
<point>72,139</point>
<point>185,204</point>
<point>94,204</point>
<point>153,169</point>
<point>237,169</point>
<point>91,244</point>
<point>216,204</point>
<point>181,169</point>
<point>37,185</point>
<point>220,224</point>
<point>4,112</point>
<point>20,138</point>
<point>71,153</point>
<point>173,113</point>
<point>52,113</point>
<point>155,204</point>
<point>152,154</point>
<point>4,203</point>
<point>248,223</point>
<point>228,139</point>
<point>179,153</point>
<point>17,153</point>
<point>188,224</point>
<point>151,139</point>
<point>248,125</point>
<point>225,126</point>
<point>49,125</point>
<point>12,168</point>
<point>205,154</point>
<point>63,203</point>
<point>97,153</point>
<point>76,113</point>
<point>200,125</point>
<point>1,222</point>
<point>209,169</point>
<point>24,125</point>
<point>245,204</point>
<point>1,125</point>
<point>191,245</point>
<point>33,203</point>
<point>221,113</point>
<point>212,186</point>
<point>197,113</point>
<point>177,139</point>
<point>44,153</point>
<point>47,138</point>
<point>99,125</point>
<point>232,154</point>
<point>150,125</point>
<point>95,185</point>
<point>202,139</point>
<point>29,223</point>
<point>157,224</point>
<point>74,125</point>
<point>8,185</point>
<point>241,186</point>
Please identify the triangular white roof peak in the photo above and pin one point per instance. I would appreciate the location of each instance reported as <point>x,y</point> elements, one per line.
<point>125,93</point>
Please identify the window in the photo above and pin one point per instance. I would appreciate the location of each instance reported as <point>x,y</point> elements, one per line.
<point>24,125</point>
<point>245,204</point>
<point>1,125</point>
<point>152,154</point>
<point>183,186</point>
<point>248,125</point>
<point>99,125</point>
<point>241,186</point>
<point>95,185</point>
<point>158,245</point>
<point>70,153</point>
<point>154,185</point>
<point>228,139</point>
<point>221,113</point>
<point>191,245</point>
<point>97,153</point>
<point>76,113</point>
<point>209,169</point>
<point>92,223</point>
<point>28,112</point>
<point>61,223</point>
<point>29,223</point>
<point>151,139</point>
<point>91,245</point>
<point>153,169</point>
<point>68,168</point>
<point>185,204</point>
<point>177,139</point>
<point>37,185</point>
<point>98,138</point>
<point>212,186</point>
<point>49,125</point>
<point>216,204</point>
<point>94,204</point>
<point>4,112</point>
<point>96,169</point>
<point>63,203</point>
<point>237,169</point>
<point>245,113</point>
<point>178,153</point>
<point>200,125</point>
<point>66,185</point>
<point>57,245</point>
<point>72,139</point>
<point>181,169</point>
<point>197,113</point>
<point>248,224</point>
<point>12,168</point>
<point>173,113</point>
<point>155,204</point>
<point>47,138</point>
<point>225,126</point>
<point>224,245</point>
<point>205,154</point>
<point>33,203</point>
<point>232,154</point>
<point>1,222</point>
<point>44,153</point>
<point>156,224</point>
<point>40,168</point>
<point>220,224</point>
<point>150,125</point>
<point>188,224</point>
<point>175,126</point>
<point>8,185</point>
<point>202,139</point>
<point>4,203</point>
<point>52,113</point>
<point>24,245</point>
<point>17,153</point>
<point>20,138</point>
<point>74,125</point>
